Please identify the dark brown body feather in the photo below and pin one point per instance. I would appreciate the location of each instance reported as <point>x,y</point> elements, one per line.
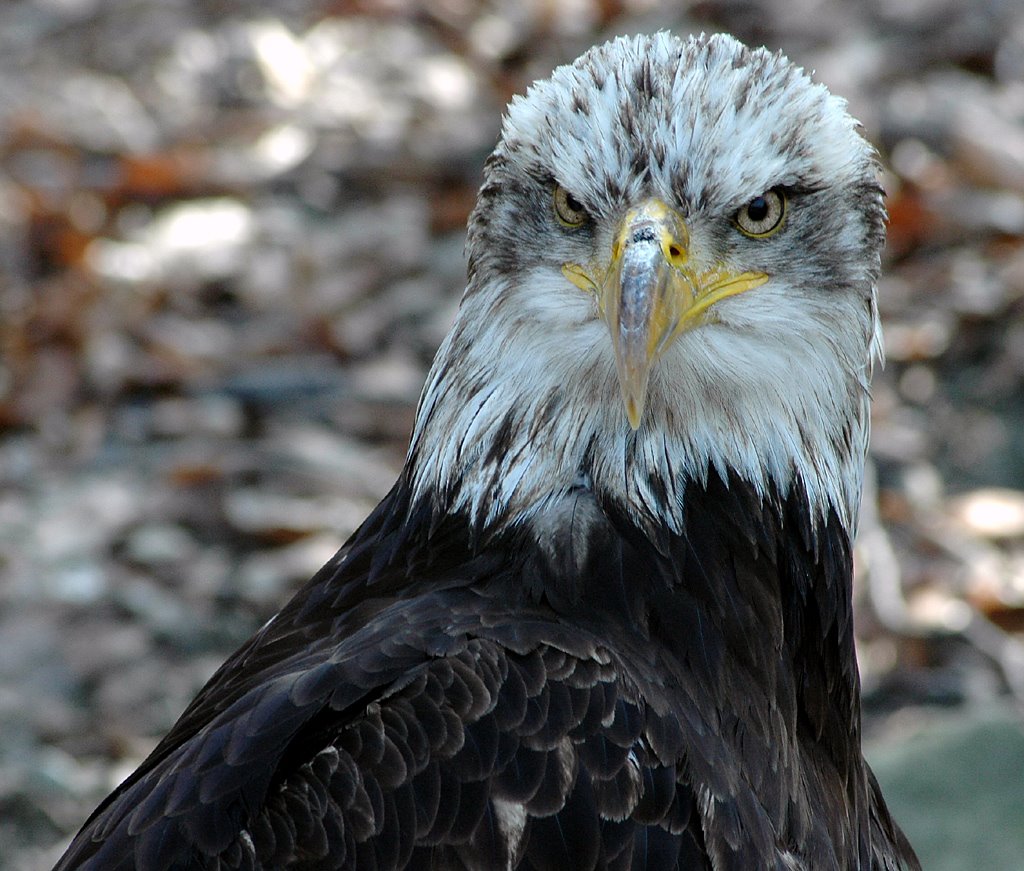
<point>621,698</point>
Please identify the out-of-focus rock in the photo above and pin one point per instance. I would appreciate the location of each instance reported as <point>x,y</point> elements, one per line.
<point>995,513</point>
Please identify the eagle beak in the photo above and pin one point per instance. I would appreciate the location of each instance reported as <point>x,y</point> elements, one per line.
<point>651,293</point>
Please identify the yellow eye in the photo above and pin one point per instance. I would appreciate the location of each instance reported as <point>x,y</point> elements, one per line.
<point>568,209</point>
<point>763,215</point>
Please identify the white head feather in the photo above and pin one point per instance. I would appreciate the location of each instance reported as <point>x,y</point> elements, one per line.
<point>522,404</point>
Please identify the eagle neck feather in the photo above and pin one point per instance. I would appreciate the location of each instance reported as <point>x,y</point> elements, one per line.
<point>513,416</point>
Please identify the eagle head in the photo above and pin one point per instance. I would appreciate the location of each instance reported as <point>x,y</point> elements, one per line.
<point>672,261</point>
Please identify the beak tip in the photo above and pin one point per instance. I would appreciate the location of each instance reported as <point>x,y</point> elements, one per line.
<point>634,413</point>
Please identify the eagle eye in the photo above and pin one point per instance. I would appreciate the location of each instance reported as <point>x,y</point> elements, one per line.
<point>569,210</point>
<point>763,215</point>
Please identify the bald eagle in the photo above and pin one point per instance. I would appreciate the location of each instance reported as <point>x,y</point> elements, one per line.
<point>603,619</point>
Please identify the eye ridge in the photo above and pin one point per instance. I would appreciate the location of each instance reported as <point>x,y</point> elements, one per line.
<point>763,215</point>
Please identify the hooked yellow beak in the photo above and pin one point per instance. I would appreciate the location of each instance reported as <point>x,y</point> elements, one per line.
<point>650,293</point>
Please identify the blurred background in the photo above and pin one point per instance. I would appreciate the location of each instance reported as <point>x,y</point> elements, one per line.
<point>230,241</point>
